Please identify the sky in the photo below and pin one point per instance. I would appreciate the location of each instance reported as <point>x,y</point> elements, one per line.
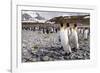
<point>50,14</point>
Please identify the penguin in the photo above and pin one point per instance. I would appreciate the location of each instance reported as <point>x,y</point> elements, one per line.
<point>64,38</point>
<point>86,31</point>
<point>74,37</point>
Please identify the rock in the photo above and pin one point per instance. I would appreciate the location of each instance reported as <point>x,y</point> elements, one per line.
<point>24,45</point>
<point>45,58</point>
<point>61,58</point>
<point>38,59</point>
<point>46,47</point>
<point>24,60</point>
<point>51,59</point>
<point>80,57</point>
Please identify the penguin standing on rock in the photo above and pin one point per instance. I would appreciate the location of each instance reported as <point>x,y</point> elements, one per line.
<point>74,38</point>
<point>64,33</point>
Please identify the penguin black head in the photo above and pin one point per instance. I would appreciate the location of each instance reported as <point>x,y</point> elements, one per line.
<point>67,25</point>
<point>75,25</point>
<point>61,24</point>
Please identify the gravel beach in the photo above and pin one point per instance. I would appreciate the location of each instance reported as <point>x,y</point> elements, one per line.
<point>37,46</point>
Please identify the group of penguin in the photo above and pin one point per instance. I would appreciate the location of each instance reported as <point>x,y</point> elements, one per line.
<point>69,37</point>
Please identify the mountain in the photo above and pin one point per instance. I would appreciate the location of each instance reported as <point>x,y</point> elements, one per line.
<point>39,17</point>
<point>26,17</point>
<point>35,17</point>
<point>84,19</point>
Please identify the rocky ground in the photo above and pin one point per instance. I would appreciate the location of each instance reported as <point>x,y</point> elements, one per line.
<point>46,47</point>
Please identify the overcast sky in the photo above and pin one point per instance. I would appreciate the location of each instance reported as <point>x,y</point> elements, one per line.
<point>48,14</point>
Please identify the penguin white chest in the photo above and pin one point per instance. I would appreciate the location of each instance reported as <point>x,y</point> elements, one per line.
<point>86,34</point>
<point>74,39</point>
<point>65,40</point>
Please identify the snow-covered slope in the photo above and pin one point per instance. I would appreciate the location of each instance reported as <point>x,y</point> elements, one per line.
<point>32,17</point>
